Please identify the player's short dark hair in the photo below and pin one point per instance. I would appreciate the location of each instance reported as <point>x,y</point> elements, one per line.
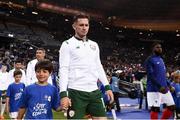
<point>82,15</point>
<point>154,44</point>
<point>17,72</point>
<point>18,61</point>
<point>44,64</point>
<point>42,49</point>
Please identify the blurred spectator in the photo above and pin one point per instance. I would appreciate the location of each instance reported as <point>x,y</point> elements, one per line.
<point>4,82</point>
<point>17,66</point>
<point>115,89</point>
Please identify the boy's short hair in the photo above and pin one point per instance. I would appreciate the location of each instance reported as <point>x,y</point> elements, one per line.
<point>82,15</point>
<point>17,72</point>
<point>44,64</point>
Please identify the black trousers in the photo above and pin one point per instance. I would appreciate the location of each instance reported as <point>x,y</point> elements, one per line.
<point>116,100</point>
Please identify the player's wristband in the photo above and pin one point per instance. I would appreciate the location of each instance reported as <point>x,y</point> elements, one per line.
<point>63,94</point>
<point>107,87</point>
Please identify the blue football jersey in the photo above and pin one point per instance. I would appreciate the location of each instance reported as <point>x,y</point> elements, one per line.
<point>39,101</point>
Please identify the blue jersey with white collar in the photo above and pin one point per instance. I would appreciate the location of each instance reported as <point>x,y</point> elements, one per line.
<point>39,101</point>
<point>156,73</point>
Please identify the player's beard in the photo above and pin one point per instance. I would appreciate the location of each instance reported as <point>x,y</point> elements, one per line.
<point>158,53</point>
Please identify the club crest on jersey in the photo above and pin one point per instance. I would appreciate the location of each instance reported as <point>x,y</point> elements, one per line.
<point>21,90</point>
<point>71,113</point>
<point>48,98</point>
<point>93,47</point>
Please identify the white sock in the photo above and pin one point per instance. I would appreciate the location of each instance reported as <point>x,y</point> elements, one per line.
<point>2,108</point>
<point>114,114</point>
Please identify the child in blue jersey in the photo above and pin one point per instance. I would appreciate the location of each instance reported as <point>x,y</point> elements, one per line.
<point>176,93</point>
<point>40,98</point>
<point>13,95</point>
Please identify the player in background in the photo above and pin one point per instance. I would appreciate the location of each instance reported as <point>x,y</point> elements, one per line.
<point>30,71</point>
<point>17,66</point>
<point>157,88</point>
<point>4,83</point>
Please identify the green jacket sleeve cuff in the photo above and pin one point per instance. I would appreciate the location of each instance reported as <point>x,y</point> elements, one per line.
<point>107,87</point>
<point>63,94</point>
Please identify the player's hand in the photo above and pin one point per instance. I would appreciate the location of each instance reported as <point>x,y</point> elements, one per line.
<point>172,89</point>
<point>7,110</point>
<point>65,103</point>
<point>163,90</point>
<point>110,96</point>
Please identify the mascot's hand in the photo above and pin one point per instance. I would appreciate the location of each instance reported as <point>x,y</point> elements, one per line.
<point>172,89</point>
<point>163,90</point>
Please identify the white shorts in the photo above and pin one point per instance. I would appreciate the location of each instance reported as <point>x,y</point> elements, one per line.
<point>13,115</point>
<point>155,99</point>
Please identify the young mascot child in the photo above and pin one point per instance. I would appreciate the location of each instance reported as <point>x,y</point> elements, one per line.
<point>176,93</point>
<point>13,95</point>
<point>40,98</point>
